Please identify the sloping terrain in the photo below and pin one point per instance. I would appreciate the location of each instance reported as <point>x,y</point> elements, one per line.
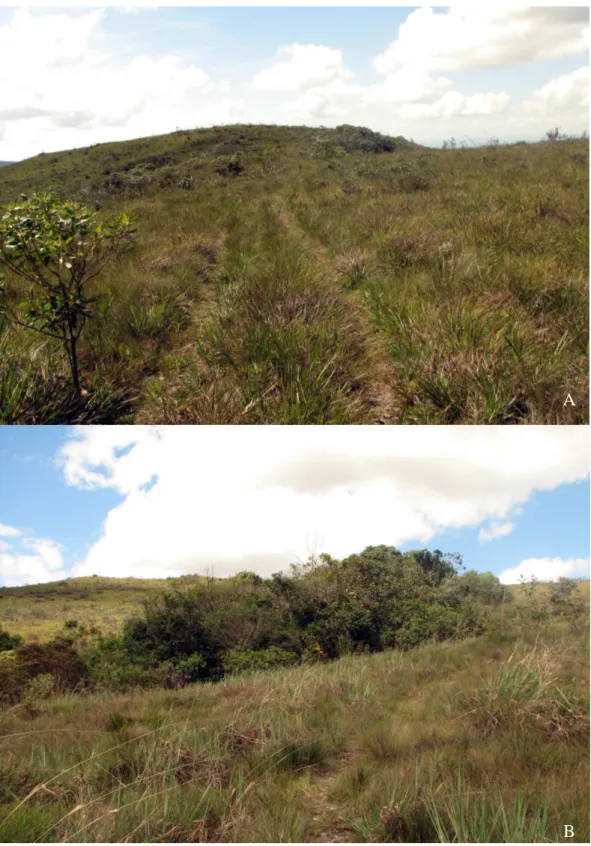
<point>296,275</point>
<point>460,739</point>
<point>477,741</point>
<point>38,611</point>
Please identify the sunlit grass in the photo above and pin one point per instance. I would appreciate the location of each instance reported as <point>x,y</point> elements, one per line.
<point>417,286</point>
<point>379,748</point>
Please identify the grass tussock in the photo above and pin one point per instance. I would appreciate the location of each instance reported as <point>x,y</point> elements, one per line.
<point>375,748</point>
<point>295,275</point>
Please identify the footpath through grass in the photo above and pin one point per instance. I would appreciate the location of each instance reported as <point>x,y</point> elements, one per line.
<point>279,277</point>
<point>474,741</point>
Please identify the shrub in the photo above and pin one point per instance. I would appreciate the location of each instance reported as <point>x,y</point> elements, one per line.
<point>326,148</point>
<point>485,586</point>
<point>230,167</point>
<point>110,667</point>
<point>359,138</point>
<point>173,630</point>
<point>13,681</point>
<point>235,661</point>
<point>57,661</point>
<point>191,668</point>
<point>554,134</point>
<point>40,687</point>
<point>8,641</point>
<point>57,658</point>
<point>426,622</point>
<point>326,608</point>
<point>57,248</point>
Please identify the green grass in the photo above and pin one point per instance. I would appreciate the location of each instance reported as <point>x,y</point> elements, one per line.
<point>417,286</point>
<point>391,747</point>
<point>38,612</point>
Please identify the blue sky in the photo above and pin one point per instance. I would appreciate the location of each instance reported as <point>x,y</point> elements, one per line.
<point>100,73</point>
<point>76,501</point>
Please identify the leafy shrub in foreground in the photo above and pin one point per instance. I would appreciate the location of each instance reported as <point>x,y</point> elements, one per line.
<point>57,248</point>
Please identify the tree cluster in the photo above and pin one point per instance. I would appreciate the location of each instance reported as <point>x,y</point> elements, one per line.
<point>322,610</point>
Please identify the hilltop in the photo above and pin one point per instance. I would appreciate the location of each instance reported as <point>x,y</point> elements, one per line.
<point>299,275</point>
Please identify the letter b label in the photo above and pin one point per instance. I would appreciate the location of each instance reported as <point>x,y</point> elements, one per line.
<point>569,831</point>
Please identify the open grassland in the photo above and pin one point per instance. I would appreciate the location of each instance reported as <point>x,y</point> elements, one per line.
<point>277,278</point>
<point>473,741</point>
<point>38,612</point>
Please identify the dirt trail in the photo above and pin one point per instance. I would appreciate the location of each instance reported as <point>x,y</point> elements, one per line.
<point>327,825</point>
<point>378,383</point>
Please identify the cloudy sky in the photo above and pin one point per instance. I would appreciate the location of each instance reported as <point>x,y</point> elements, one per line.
<point>156,502</point>
<point>107,73</point>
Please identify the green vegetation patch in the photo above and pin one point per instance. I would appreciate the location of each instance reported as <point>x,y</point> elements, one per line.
<point>297,275</point>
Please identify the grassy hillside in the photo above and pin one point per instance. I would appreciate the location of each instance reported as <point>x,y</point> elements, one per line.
<point>295,275</point>
<point>473,739</point>
<point>38,612</point>
<point>482,740</point>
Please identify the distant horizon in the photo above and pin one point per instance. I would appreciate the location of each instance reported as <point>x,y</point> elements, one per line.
<point>107,74</point>
<point>188,576</point>
<point>474,143</point>
<point>154,502</point>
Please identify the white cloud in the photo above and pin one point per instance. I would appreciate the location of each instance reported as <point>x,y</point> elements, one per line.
<point>257,498</point>
<point>467,37</point>
<point>546,569</point>
<point>312,105</point>
<point>485,35</point>
<point>44,563</point>
<point>406,85</point>
<point>133,10</point>
<point>75,90</point>
<point>453,104</point>
<point>495,531</point>
<point>571,90</point>
<point>308,66</point>
<point>9,531</point>
<point>69,94</point>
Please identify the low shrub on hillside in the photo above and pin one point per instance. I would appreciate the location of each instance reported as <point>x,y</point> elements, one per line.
<point>324,609</point>
<point>58,660</point>
<point>8,641</point>
<point>359,138</point>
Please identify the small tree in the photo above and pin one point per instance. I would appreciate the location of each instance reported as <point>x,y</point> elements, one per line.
<point>554,134</point>
<point>58,247</point>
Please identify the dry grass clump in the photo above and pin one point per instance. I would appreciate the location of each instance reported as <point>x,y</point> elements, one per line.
<point>524,691</point>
